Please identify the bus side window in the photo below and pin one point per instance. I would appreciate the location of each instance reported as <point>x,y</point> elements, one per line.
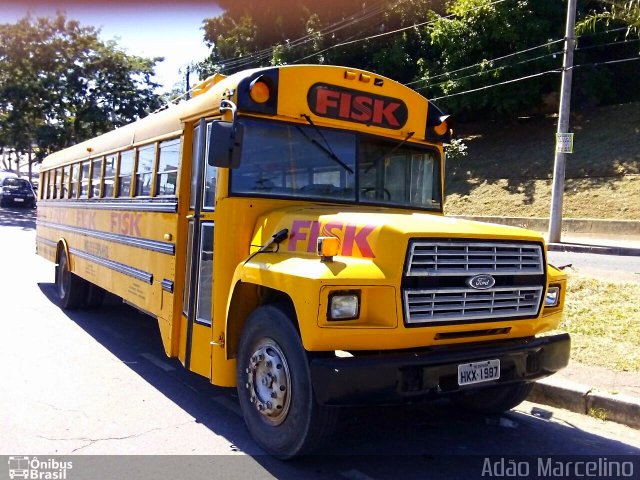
<point>52,185</point>
<point>96,176</point>
<point>167,176</point>
<point>110,168</point>
<point>126,172</point>
<point>64,179</point>
<point>84,179</point>
<point>146,158</point>
<point>44,185</point>
<point>73,185</point>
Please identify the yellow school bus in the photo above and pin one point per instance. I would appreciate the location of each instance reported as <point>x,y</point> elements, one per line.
<point>285,227</point>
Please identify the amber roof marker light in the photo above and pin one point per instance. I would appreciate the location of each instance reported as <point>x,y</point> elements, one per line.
<point>259,90</point>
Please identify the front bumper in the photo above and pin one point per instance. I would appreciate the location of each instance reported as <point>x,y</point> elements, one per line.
<point>412,376</point>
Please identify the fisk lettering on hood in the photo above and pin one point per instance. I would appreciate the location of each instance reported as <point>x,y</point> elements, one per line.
<point>350,235</point>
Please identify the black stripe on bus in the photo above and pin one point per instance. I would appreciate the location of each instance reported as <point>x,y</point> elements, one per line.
<point>46,241</point>
<point>115,266</point>
<point>153,245</point>
<point>167,285</point>
<point>163,205</point>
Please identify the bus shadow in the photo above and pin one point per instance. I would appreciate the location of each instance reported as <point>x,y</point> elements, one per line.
<point>24,218</point>
<point>378,442</point>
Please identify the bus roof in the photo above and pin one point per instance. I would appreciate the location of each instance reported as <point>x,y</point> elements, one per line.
<point>206,102</point>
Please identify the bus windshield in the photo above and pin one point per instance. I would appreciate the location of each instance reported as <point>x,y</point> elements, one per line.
<point>304,161</point>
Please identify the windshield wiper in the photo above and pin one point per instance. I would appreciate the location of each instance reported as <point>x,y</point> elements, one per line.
<point>328,150</point>
<point>390,152</point>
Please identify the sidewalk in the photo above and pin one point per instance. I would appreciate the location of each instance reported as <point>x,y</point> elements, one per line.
<point>601,244</point>
<point>594,391</point>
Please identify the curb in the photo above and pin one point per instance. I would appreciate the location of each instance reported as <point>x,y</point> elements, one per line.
<point>578,398</point>
<point>593,226</point>
<point>599,249</point>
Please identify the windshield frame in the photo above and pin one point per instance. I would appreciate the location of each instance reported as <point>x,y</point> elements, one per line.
<point>359,199</point>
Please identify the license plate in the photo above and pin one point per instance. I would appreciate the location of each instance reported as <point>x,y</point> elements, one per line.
<point>18,199</point>
<point>477,372</point>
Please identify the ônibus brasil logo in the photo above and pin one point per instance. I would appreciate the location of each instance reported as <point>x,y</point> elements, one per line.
<point>33,468</point>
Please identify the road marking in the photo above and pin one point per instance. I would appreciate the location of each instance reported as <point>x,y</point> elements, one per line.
<point>227,403</point>
<point>354,474</point>
<point>157,362</point>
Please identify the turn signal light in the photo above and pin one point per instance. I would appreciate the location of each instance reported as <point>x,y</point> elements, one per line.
<point>328,247</point>
<point>441,129</point>
<point>259,91</point>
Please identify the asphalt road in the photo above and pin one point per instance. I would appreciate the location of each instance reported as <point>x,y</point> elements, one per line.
<point>97,382</point>
<point>604,267</point>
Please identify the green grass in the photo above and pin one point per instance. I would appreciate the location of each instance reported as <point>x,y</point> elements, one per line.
<point>603,319</point>
<point>511,165</point>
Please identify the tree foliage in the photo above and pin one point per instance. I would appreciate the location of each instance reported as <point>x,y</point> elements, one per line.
<point>60,84</point>
<point>442,48</point>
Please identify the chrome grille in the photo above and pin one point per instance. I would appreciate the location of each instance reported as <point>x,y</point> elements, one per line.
<point>452,304</point>
<point>431,258</point>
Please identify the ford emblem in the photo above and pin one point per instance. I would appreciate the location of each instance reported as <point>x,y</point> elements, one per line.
<point>481,282</point>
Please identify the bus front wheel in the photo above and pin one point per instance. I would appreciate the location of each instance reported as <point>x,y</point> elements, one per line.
<point>274,386</point>
<point>70,287</point>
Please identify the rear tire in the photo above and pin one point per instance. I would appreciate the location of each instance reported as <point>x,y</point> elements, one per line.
<point>70,288</point>
<point>274,386</point>
<point>494,400</point>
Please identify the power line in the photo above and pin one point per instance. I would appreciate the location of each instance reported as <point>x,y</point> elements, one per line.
<point>499,84</point>
<point>485,61</point>
<point>503,67</point>
<point>596,64</point>
<point>329,29</point>
<point>428,22</point>
<point>608,44</point>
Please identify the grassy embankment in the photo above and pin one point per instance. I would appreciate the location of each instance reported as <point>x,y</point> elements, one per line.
<point>507,172</point>
<point>508,168</point>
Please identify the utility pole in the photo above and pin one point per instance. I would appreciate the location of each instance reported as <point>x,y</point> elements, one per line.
<point>555,217</point>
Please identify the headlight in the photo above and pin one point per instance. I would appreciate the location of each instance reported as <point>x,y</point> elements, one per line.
<point>553,297</point>
<point>344,306</point>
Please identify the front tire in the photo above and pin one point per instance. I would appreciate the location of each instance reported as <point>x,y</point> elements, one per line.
<point>274,386</point>
<point>70,288</point>
<point>494,400</point>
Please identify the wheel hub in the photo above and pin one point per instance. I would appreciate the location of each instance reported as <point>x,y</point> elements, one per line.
<point>269,382</point>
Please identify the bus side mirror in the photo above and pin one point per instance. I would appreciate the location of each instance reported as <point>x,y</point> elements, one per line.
<point>225,144</point>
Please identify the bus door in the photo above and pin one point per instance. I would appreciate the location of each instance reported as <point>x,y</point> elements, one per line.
<point>198,291</point>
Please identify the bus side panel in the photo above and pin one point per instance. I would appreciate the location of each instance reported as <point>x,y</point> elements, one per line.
<point>142,276</point>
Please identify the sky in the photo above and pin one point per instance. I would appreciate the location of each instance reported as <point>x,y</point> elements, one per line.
<point>151,29</point>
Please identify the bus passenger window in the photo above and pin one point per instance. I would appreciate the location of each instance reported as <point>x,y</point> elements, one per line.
<point>54,184</point>
<point>74,180</point>
<point>44,185</point>
<point>84,179</point>
<point>126,171</point>
<point>167,176</point>
<point>63,178</point>
<point>96,175</point>
<point>146,159</point>
<point>109,175</point>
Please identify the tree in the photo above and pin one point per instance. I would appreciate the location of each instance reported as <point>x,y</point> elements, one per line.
<point>477,31</point>
<point>615,11</point>
<point>60,84</point>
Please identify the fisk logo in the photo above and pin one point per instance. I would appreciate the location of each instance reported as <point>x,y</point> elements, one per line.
<point>126,223</point>
<point>350,235</point>
<point>356,106</point>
